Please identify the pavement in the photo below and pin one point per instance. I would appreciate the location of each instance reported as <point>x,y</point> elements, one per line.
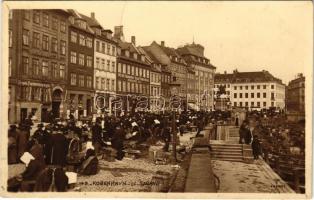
<point>240,177</point>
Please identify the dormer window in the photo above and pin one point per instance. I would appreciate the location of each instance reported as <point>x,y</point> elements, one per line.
<point>143,58</point>
<point>71,19</point>
<point>81,23</point>
<point>127,53</point>
<point>135,56</point>
<point>98,31</point>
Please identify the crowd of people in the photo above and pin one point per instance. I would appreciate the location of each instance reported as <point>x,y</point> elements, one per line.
<point>56,145</point>
<point>52,147</point>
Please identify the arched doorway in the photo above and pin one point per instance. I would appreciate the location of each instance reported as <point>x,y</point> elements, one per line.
<point>56,101</point>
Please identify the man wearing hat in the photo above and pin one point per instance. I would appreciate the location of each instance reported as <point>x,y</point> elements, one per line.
<point>59,146</point>
<point>39,133</point>
<point>22,139</point>
<point>97,136</point>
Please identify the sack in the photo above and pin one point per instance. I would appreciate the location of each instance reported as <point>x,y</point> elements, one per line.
<point>90,166</point>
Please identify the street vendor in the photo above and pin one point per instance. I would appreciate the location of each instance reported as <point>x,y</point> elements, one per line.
<point>90,162</point>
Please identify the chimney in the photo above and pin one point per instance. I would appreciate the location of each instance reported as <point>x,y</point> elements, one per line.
<point>225,72</point>
<point>133,40</point>
<point>92,15</point>
<point>162,43</point>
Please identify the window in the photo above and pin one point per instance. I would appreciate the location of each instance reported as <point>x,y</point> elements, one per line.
<point>235,87</point>
<point>107,84</point>
<point>55,70</point>
<point>264,104</point>
<point>252,95</point>
<point>89,61</point>
<point>264,86</point>
<point>81,80</point>
<point>252,104</point>
<point>62,71</point>
<point>252,87</point>
<point>73,37</point>
<point>26,15</point>
<point>103,47</point>
<point>123,86</point>
<point>89,81</point>
<point>246,95</point>
<point>54,45</point>
<point>113,50</point>
<point>63,47</point>
<point>113,66</point>
<point>97,46</point>
<point>62,26</point>
<point>235,104</point>
<point>54,24</point>
<point>141,72</point>
<point>258,104</point>
<point>258,87</point>
<point>108,49</point>
<point>81,59</point>
<point>272,96</point>
<point>97,63</point>
<point>246,104</point>
<point>240,95</point>
<point>36,40</point>
<point>103,83</point>
<point>89,42</point>
<point>246,87</point>
<point>25,65</point>
<point>136,71</point>
<point>45,70</point>
<point>103,64</point>
<point>45,42</point>
<point>82,40</point>
<point>45,20</point>
<point>272,104</point>
<point>264,95</point>
<point>241,87</point>
<point>97,84</point>
<point>36,17</point>
<point>240,104</point>
<point>10,38</point>
<point>25,37</point>
<point>258,95</point>
<point>132,70</point>
<point>272,86</point>
<point>73,79</point>
<point>73,57</point>
<point>36,69</point>
<point>108,65</point>
<point>235,95</point>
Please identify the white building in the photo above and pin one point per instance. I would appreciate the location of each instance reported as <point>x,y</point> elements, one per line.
<point>105,62</point>
<point>253,90</point>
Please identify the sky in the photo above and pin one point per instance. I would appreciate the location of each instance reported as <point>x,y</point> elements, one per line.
<point>247,36</point>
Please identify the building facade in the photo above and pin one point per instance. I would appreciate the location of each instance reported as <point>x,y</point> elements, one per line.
<point>133,74</point>
<point>252,90</point>
<point>80,92</point>
<point>200,77</point>
<point>296,95</point>
<point>105,64</point>
<point>38,52</point>
<point>174,64</point>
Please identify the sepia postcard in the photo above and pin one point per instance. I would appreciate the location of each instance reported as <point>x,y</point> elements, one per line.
<point>157,99</point>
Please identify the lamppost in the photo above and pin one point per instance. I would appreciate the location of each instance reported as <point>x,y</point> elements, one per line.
<point>174,90</point>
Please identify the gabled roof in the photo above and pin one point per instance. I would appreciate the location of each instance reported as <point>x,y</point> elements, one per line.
<point>91,22</point>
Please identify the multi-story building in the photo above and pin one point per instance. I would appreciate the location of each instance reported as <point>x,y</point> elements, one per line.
<point>173,63</point>
<point>155,81</point>
<point>296,96</point>
<point>252,90</point>
<point>133,72</point>
<point>105,62</point>
<point>200,76</point>
<point>80,91</point>
<point>38,50</point>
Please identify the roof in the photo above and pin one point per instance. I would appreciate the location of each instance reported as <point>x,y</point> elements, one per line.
<point>239,77</point>
<point>150,55</point>
<point>77,15</point>
<point>91,21</point>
